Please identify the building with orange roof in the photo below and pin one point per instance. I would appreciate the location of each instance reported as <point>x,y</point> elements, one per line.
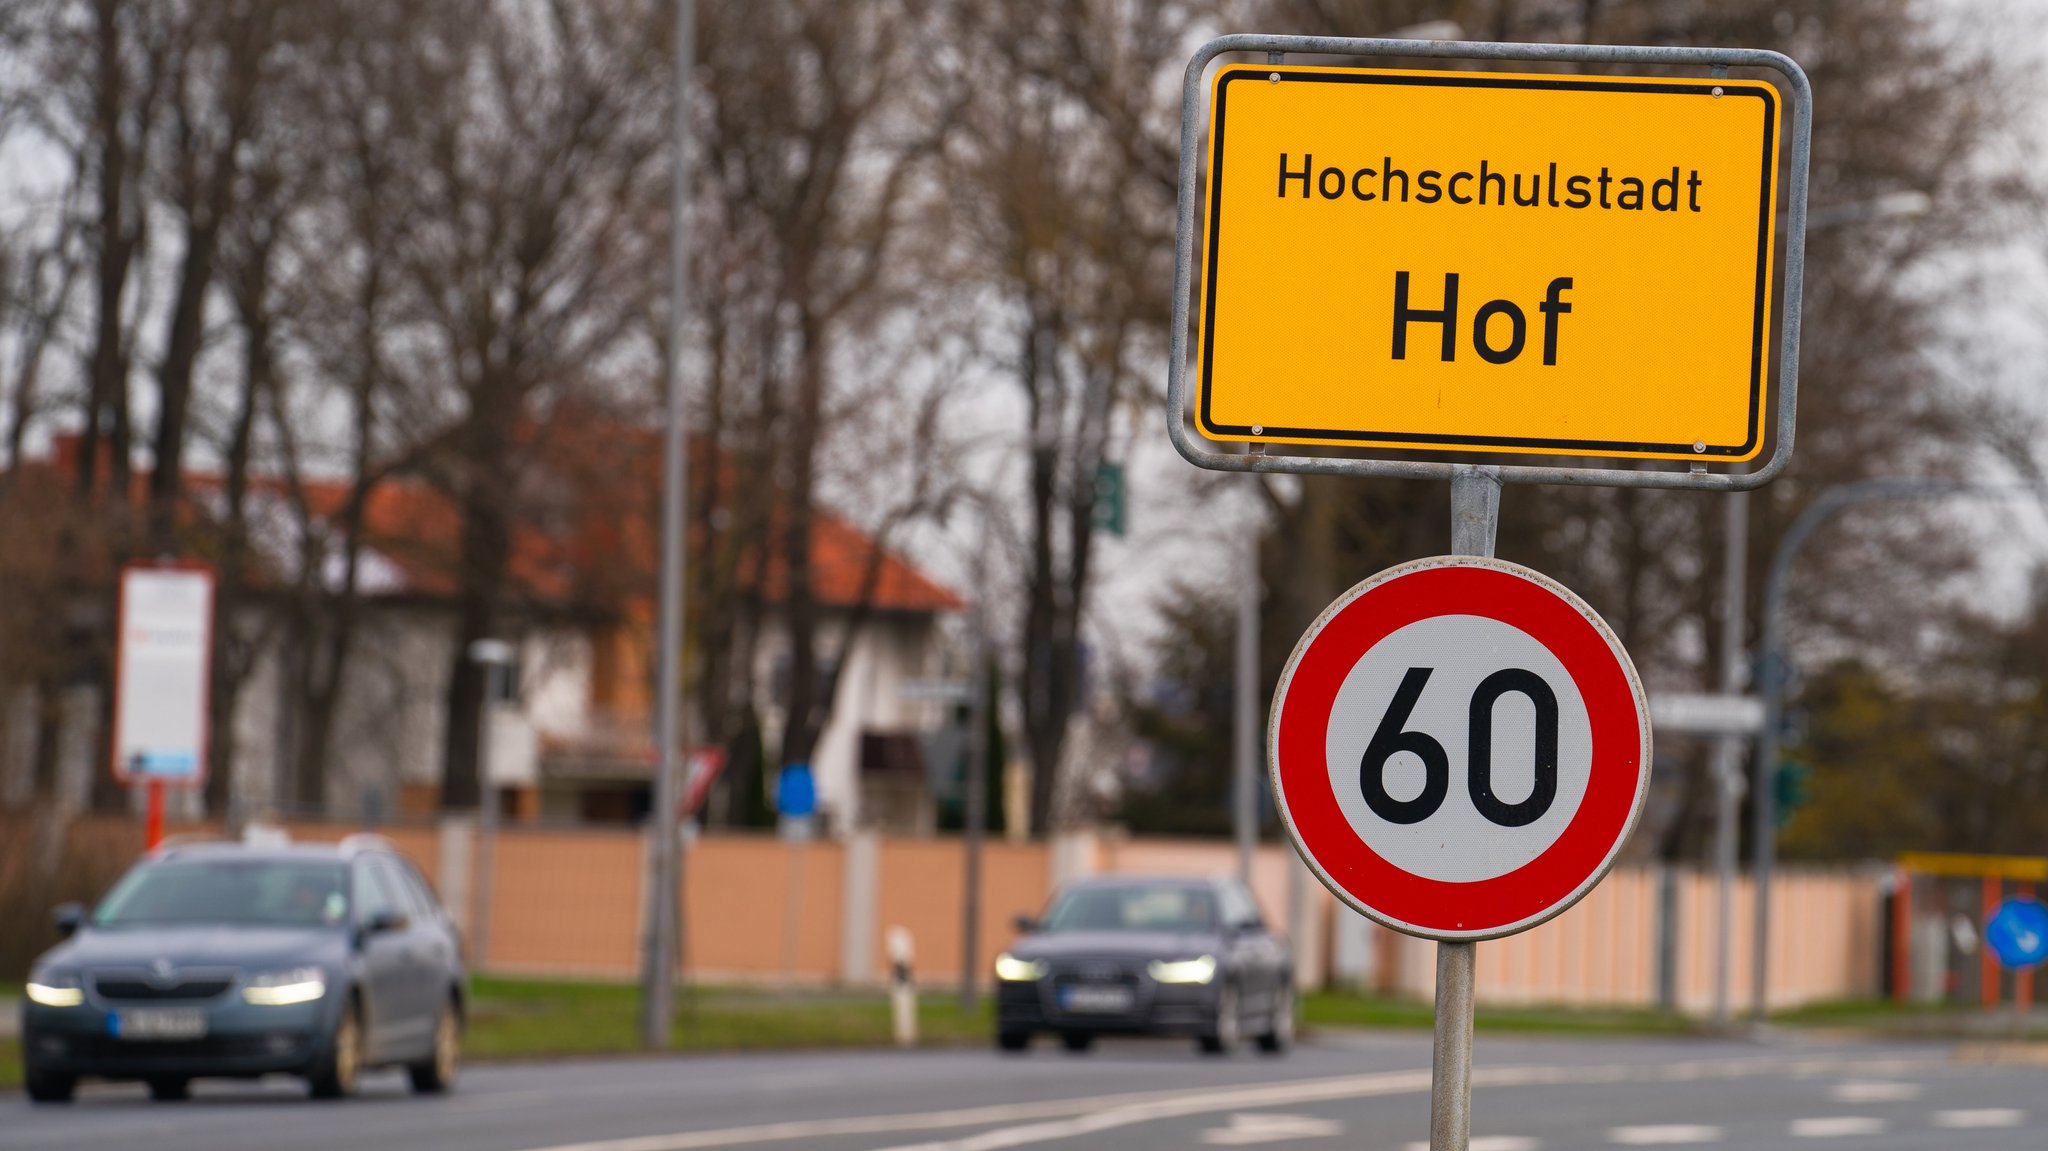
<point>573,741</point>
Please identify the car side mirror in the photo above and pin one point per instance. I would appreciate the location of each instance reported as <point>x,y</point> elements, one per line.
<point>68,918</point>
<point>1025,924</point>
<point>379,924</point>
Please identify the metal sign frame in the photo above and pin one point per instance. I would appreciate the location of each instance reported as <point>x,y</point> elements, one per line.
<point>125,773</point>
<point>1192,119</point>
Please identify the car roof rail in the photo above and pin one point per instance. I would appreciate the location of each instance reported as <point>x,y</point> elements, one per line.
<point>171,843</point>
<point>367,841</point>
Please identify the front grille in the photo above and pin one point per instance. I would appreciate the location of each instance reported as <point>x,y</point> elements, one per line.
<point>108,1047</point>
<point>1098,972</point>
<point>135,988</point>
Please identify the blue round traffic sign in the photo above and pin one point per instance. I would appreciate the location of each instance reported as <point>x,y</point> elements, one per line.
<point>2018,932</point>
<point>796,791</point>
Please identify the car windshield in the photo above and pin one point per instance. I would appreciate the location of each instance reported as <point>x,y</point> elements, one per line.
<point>273,892</point>
<point>1133,907</point>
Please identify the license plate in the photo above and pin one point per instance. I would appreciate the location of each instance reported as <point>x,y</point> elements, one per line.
<point>158,1024</point>
<point>1085,998</point>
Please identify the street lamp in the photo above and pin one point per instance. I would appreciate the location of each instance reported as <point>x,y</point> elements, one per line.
<point>1727,751</point>
<point>1772,676</point>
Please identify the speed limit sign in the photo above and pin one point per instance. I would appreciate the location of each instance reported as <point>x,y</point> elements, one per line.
<point>1459,747</point>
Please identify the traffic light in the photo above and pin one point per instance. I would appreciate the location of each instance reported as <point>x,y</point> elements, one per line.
<point>1792,785</point>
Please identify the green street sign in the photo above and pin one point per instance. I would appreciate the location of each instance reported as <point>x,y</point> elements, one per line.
<point>1109,498</point>
<point>1793,787</point>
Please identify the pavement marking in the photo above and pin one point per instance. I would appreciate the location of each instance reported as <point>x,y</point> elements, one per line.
<point>1874,1091</point>
<point>1069,1118</point>
<point>1981,1117</point>
<point>1653,1134</point>
<point>1492,1143</point>
<point>1269,1128</point>
<point>1837,1126</point>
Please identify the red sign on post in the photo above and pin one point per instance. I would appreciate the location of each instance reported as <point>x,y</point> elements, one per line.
<point>1459,747</point>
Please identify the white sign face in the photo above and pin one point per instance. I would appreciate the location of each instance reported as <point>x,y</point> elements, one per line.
<point>164,664</point>
<point>1534,721</point>
<point>1707,714</point>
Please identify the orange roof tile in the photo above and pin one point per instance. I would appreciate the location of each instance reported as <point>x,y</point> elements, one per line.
<point>595,543</point>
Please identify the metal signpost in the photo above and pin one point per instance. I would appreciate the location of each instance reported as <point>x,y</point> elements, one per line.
<point>163,671</point>
<point>1557,278</point>
<point>495,657</point>
<point>661,941</point>
<point>1730,718</point>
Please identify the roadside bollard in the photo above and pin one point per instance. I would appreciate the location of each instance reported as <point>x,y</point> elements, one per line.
<point>902,988</point>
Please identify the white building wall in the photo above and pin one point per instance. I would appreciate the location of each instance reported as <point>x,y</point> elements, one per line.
<point>889,651</point>
<point>388,726</point>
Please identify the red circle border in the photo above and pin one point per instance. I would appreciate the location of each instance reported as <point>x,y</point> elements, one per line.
<point>1554,617</point>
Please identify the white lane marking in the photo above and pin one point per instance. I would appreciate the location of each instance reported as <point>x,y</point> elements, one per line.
<point>1493,1143</point>
<point>1980,1117</point>
<point>1874,1091</point>
<point>1144,1106</point>
<point>1837,1126</point>
<point>1662,1133</point>
<point>1174,1105</point>
<point>1269,1128</point>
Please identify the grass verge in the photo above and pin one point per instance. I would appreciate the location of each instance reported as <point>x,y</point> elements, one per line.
<point>10,1047</point>
<point>1933,1020</point>
<point>533,1018</point>
<point>1349,1009</point>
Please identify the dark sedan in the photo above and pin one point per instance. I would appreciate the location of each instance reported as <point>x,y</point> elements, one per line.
<point>1140,956</point>
<point>223,960</point>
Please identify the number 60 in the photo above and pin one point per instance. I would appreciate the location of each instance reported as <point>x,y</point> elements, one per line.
<point>1390,738</point>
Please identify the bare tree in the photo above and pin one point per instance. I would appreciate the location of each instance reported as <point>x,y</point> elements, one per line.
<point>216,64</point>
<point>817,134</point>
<point>526,250</point>
<point>1069,217</point>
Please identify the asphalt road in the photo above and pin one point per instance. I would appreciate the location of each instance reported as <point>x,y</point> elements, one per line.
<point>1365,1092</point>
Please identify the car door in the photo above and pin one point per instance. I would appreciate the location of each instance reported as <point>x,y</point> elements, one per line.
<point>389,1002</point>
<point>421,978</point>
<point>439,946</point>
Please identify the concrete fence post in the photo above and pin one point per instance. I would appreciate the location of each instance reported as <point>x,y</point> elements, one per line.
<point>1667,937</point>
<point>456,843</point>
<point>859,884</point>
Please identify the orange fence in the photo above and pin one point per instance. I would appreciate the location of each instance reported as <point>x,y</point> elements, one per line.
<point>757,908</point>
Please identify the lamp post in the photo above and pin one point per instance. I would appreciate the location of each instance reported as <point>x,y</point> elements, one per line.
<point>659,947</point>
<point>1727,750</point>
<point>975,813</point>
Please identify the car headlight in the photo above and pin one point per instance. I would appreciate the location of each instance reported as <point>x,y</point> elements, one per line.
<point>53,990</point>
<point>1200,969</point>
<point>1015,970</point>
<point>283,988</point>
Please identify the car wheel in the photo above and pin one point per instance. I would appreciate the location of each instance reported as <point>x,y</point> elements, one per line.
<point>49,1087</point>
<point>1222,1036</point>
<point>336,1075</point>
<point>436,1073</point>
<point>1076,1041</point>
<point>1013,1040</point>
<point>170,1090</point>
<point>1279,1035</point>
